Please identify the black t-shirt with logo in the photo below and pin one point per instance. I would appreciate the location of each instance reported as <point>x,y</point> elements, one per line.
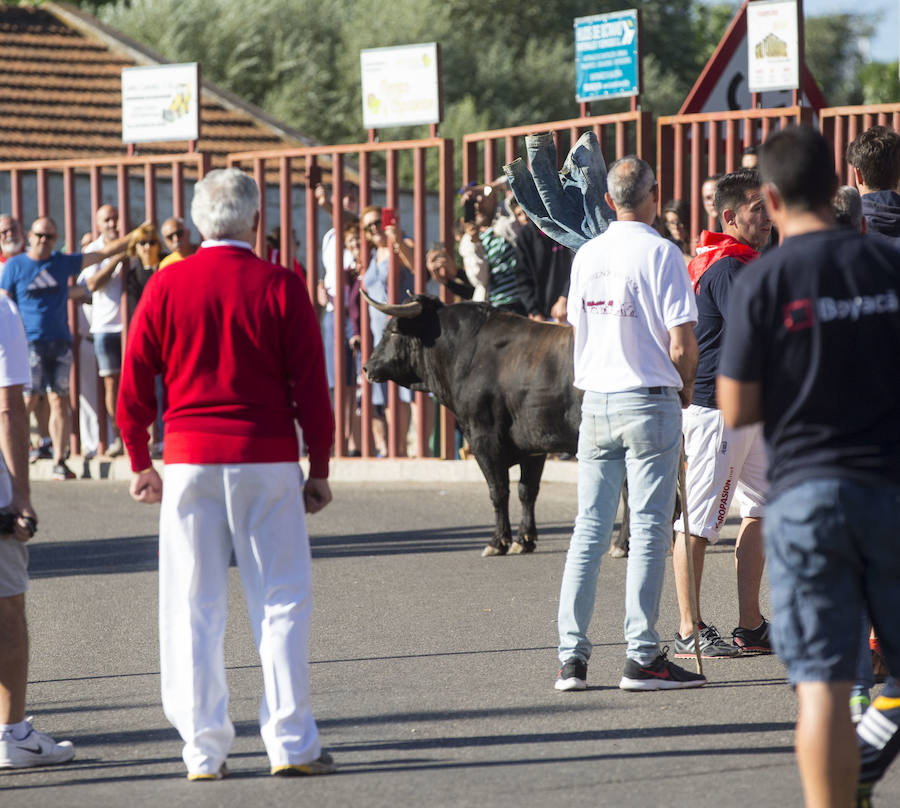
<point>817,323</point>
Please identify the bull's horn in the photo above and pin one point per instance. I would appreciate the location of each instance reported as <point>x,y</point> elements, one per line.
<point>411,309</point>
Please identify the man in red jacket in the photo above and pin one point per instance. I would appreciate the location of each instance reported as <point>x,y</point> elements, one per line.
<point>237,344</point>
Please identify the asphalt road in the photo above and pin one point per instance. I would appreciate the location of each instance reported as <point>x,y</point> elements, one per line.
<point>432,670</point>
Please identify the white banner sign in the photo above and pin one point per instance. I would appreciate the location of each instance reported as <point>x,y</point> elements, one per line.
<point>160,103</point>
<point>400,86</point>
<point>773,51</point>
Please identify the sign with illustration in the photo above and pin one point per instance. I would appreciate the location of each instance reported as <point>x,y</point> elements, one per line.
<point>773,50</point>
<point>401,86</point>
<point>161,103</point>
<point>607,62</point>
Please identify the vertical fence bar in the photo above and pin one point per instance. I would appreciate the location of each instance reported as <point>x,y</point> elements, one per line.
<point>490,161</point>
<point>339,359</point>
<point>445,188</point>
<point>395,434</point>
<point>286,219</point>
<point>43,192</point>
<point>423,402</point>
<point>16,207</point>
<point>365,195</point>
<point>71,236</point>
<point>312,229</point>
<point>696,150</point>
<point>96,197</point>
<point>259,174</point>
<point>124,199</point>
<point>678,163</point>
<point>730,146</point>
<point>178,189</point>
<point>150,192</point>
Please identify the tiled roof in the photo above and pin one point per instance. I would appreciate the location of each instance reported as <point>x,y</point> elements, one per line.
<point>60,94</point>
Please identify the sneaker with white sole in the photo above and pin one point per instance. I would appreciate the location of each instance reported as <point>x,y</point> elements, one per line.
<point>712,646</point>
<point>199,777</point>
<point>658,675</point>
<point>324,764</point>
<point>35,749</point>
<point>572,675</point>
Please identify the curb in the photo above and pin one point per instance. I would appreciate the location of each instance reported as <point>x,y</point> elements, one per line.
<point>343,470</point>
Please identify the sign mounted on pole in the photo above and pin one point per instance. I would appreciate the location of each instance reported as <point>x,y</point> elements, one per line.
<point>773,52</point>
<point>401,86</point>
<point>607,61</point>
<point>161,103</point>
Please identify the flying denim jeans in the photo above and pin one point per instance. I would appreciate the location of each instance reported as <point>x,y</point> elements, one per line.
<point>638,434</point>
<point>568,205</point>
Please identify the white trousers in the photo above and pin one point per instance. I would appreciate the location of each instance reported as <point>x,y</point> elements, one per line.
<point>256,509</point>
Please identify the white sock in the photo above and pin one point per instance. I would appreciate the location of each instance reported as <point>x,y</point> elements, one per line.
<point>18,731</point>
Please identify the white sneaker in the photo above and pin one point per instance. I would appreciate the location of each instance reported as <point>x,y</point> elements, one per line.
<point>35,749</point>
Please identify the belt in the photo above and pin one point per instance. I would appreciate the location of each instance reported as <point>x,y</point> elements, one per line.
<point>655,391</point>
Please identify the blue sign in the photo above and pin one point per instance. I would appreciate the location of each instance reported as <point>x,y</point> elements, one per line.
<point>606,56</point>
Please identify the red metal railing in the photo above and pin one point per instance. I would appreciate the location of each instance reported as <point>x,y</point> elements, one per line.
<point>148,169</point>
<point>690,148</point>
<point>259,163</point>
<point>841,125</point>
<point>619,134</point>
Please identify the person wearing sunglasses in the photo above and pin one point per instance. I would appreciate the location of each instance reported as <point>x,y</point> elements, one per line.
<point>37,281</point>
<point>176,238</point>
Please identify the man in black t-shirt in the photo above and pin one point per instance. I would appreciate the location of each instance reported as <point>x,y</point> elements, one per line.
<point>812,350</point>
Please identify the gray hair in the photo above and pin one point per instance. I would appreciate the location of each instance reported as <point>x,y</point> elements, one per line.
<point>225,203</point>
<point>847,207</point>
<point>630,180</point>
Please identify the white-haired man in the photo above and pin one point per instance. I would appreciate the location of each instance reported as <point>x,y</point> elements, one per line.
<point>633,309</point>
<point>237,343</point>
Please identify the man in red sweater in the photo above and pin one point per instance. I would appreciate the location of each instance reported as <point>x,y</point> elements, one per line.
<point>237,344</point>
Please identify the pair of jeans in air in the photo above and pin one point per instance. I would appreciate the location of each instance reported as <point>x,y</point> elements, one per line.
<point>568,205</point>
<point>638,434</point>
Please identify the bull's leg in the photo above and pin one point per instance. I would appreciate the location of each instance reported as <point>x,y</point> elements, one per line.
<point>530,470</point>
<point>497,475</point>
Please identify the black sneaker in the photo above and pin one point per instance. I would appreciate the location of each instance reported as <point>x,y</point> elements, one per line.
<point>753,640</point>
<point>42,452</point>
<point>712,646</point>
<point>572,675</point>
<point>658,675</point>
<point>62,472</point>
<point>878,736</point>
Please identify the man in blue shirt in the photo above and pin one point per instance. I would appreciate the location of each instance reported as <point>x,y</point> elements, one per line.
<point>37,280</point>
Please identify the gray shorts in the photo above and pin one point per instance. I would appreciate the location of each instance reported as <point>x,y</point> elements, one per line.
<point>13,567</point>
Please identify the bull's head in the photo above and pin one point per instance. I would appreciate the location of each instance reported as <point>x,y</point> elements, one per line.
<point>400,356</point>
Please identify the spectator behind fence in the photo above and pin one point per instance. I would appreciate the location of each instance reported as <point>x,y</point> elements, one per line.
<point>749,157</point>
<point>37,280</point>
<point>21,746</point>
<point>104,283</point>
<point>677,220</point>
<point>273,248</point>
<point>708,196</point>
<point>543,268</point>
<point>177,239</point>
<point>142,256</point>
<point>384,241</point>
<point>12,242</point>
<point>811,348</point>
<point>489,258</point>
<point>238,341</point>
<point>875,160</point>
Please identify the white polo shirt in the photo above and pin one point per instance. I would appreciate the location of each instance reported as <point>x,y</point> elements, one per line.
<point>629,286</point>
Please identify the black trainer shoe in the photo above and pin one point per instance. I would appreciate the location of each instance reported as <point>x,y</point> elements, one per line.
<point>62,472</point>
<point>572,675</point>
<point>712,646</point>
<point>878,735</point>
<point>658,675</point>
<point>753,640</point>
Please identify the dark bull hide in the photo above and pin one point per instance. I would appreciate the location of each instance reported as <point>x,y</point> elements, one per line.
<point>507,379</point>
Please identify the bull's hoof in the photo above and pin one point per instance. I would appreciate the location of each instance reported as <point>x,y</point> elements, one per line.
<point>493,550</point>
<point>617,552</point>
<point>519,547</point>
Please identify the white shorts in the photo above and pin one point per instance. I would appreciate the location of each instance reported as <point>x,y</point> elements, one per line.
<point>721,462</point>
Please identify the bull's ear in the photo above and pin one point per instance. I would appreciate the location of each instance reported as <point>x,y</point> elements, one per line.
<point>413,308</point>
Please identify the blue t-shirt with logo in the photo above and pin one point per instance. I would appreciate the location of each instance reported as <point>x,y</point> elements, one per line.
<point>41,291</point>
<point>816,323</point>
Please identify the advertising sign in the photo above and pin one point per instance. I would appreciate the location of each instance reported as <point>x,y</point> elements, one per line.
<point>606,56</point>
<point>161,103</point>
<point>773,50</point>
<point>401,86</point>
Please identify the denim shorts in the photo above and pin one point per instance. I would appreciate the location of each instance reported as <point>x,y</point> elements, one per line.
<point>833,551</point>
<point>50,360</point>
<point>108,348</point>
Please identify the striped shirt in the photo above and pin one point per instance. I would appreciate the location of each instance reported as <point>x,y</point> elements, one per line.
<point>501,257</point>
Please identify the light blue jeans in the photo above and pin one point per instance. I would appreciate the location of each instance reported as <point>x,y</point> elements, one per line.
<point>637,434</point>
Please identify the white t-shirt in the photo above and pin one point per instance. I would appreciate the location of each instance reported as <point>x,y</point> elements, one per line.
<point>106,302</point>
<point>629,287</point>
<point>330,279</point>
<point>14,369</point>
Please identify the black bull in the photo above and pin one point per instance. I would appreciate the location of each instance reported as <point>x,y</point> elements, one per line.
<point>507,379</point>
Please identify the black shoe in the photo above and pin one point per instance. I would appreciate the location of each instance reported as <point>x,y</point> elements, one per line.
<point>753,640</point>
<point>42,452</point>
<point>658,675</point>
<point>572,675</point>
<point>878,735</point>
<point>62,472</point>
<point>712,646</point>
